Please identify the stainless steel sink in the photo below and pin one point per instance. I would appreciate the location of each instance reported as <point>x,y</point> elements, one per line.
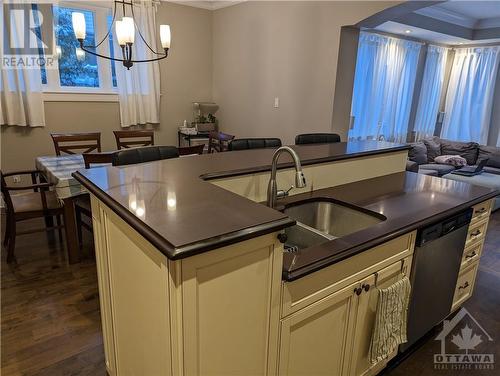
<point>332,219</point>
<point>301,236</point>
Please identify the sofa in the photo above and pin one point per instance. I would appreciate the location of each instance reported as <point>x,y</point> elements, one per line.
<point>422,154</point>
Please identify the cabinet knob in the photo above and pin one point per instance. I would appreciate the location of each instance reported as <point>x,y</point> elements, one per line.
<point>282,237</point>
<point>482,210</point>
<point>476,233</point>
<point>366,287</point>
<point>358,290</point>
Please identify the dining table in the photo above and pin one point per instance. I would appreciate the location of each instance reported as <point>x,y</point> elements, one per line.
<point>58,171</point>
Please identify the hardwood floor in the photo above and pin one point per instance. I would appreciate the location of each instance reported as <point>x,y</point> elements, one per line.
<point>50,310</point>
<point>51,320</point>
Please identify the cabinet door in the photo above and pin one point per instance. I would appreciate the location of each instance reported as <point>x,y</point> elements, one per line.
<point>365,317</point>
<point>314,340</point>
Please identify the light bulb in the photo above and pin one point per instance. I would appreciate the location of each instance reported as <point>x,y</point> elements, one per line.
<point>165,36</point>
<point>80,54</point>
<point>121,35</point>
<point>129,27</point>
<point>78,25</point>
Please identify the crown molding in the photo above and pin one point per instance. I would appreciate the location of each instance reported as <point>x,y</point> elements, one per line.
<point>207,4</point>
<point>447,15</point>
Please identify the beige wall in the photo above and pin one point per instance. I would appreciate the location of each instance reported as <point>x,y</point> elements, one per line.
<point>289,50</point>
<point>186,76</point>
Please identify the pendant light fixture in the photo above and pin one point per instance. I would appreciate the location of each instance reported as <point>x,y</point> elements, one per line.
<point>125,35</point>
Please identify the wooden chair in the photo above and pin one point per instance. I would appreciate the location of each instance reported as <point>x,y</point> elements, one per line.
<point>76,143</point>
<point>97,158</point>
<point>127,139</point>
<point>218,141</point>
<point>40,203</point>
<point>191,150</point>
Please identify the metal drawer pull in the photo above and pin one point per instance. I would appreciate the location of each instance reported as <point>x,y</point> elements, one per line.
<point>480,211</point>
<point>476,233</point>
<point>366,287</point>
<point>358,290</point>
<point>470,255</point>
<point>464,286</point>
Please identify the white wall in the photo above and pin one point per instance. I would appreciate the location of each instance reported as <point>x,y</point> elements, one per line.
<point>289,50</point>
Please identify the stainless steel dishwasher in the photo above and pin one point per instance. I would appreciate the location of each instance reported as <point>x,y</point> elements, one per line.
<point>436,263</point>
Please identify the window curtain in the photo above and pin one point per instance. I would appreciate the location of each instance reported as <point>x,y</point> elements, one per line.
<point>139,87</point>
<point>470,94</point>
<point>385,75</point>
<point>21,98</point>
<point>430,93</point>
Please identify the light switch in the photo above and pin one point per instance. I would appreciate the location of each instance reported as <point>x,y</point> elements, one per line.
<point>276,102</point>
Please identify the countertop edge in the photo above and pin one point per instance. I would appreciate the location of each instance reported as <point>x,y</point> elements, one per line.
<point>289,276</point>
<point>165,247</point>
<point>253,170</point>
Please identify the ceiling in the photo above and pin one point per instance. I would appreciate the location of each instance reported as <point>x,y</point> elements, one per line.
<point>208,4</point>
<point>450,22</point>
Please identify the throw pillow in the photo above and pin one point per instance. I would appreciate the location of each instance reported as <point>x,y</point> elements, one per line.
<point>468,150</point>
<point>418,153</point>
<point>433,148</point>
<point>452,160</point>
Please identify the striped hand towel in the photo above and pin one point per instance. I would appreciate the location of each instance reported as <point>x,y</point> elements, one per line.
<point>391,318</point>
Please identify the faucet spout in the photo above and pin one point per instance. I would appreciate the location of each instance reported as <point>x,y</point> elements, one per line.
<point>300,181</point>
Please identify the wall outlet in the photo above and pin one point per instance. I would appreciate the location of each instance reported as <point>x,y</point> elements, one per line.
<point>16,179</point>
<point>276,102</point>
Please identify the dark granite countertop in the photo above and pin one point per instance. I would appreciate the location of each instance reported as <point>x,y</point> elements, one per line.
<point>407,200</point>
<point>172,204</point>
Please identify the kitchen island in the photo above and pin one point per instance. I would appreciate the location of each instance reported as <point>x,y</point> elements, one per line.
<point>194,278</point>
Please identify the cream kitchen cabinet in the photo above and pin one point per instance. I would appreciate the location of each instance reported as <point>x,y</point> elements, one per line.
<point>332,335</point>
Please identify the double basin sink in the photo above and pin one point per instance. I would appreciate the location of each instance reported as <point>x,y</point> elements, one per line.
<point>322,220</point>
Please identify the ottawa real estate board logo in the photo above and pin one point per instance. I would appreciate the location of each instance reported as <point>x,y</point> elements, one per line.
<point>464,345</point>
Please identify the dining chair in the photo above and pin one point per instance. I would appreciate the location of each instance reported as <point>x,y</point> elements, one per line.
<point>191,150</point>
<point>135,138</point>
<point>76,143</point>
<point>145,154</point>
<point>97,158</point>
<point>316,138</point>
<point>218,141</point>
<point>254,143</point>
<point>40,203</point>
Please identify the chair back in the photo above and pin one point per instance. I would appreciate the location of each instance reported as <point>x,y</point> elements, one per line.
<point>141,155</point>
<point>76,143</point>
<point>6,194</point>
<point>218,141</point>
<point>97,158</point>
<point>254,143</point>
<point>136,138</point>
<point>190,150</point>
<point>316,138</point>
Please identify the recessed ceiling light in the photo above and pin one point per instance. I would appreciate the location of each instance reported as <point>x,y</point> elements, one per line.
<point>461,43</point>
<point>407,31</point>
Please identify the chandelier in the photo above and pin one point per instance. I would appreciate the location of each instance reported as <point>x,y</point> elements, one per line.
<point>125,35</point>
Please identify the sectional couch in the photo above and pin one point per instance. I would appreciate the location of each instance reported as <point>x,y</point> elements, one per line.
<point>422,154</point>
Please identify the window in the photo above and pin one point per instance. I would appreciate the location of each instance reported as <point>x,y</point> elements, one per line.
<point>76,70</point>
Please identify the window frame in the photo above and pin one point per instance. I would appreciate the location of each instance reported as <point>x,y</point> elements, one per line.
<point>54,87</point>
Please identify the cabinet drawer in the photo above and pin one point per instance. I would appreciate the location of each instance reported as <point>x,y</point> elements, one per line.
<point>476,232</point>
<point>465,285</point>
<point>313,287</point>
<point>481,211</point>
<point>472,254</point>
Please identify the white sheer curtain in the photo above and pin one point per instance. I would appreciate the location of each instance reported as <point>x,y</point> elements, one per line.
<point>470,94</point>
<point>386,69</point>
<point>139,87</point>
<point>21,100</point>
<point>430,93</point>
